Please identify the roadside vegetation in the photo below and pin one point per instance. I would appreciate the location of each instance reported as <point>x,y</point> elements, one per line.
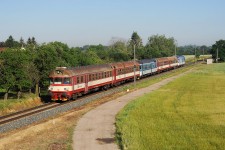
<point>185,114</point>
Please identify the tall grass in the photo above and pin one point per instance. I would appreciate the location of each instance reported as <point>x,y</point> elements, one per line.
<point>13,105</point>
<point>188,113</point>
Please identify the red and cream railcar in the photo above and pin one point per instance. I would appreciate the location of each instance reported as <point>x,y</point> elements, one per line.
<point>166,63</point>
<point>68,83</point>
<point>125,71</point>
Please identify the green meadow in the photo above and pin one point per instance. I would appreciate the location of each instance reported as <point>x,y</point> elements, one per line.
<point>188,113</point>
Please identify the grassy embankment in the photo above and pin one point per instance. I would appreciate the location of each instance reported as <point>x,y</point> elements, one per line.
<point>188,113</point>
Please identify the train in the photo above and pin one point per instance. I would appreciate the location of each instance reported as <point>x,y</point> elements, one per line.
<point>68,83</point>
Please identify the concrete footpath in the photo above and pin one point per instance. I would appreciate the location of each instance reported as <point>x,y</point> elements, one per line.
<point>96,129</point>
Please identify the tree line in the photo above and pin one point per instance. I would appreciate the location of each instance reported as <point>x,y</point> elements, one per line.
<point>25,66</point>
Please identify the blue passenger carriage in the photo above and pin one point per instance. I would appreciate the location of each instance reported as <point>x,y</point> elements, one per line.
<point>147,67</point>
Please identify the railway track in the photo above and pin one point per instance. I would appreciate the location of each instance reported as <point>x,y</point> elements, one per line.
<point>29,116</point>
<point>27,112</point>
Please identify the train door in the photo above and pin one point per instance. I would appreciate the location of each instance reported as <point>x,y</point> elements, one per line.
<point>86,83</point>
<point>114,74</point>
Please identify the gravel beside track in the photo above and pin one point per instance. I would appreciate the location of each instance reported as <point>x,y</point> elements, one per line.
<point>96,129</point>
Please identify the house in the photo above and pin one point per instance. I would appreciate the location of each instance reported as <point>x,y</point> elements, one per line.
<point>2,49</point>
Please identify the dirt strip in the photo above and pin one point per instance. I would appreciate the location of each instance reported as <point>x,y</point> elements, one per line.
<point>96,129</point>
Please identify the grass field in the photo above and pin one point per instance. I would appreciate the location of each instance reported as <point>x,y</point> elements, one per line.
<point>188,113</point>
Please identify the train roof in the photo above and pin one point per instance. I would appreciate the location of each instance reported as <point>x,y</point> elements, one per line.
<point>180,56</point>
<point>144,61</point>
<point>162,59</point>
<point>120,65</point>
<point>63,71</point>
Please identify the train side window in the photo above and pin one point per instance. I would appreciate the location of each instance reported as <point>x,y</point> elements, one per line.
<point>78,80</point>
<point>108,74</point>
<point>104,74</point>
<point>82,79</point>
<point>90,77</point>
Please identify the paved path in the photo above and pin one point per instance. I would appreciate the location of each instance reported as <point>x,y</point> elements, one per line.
<point>96,129</point>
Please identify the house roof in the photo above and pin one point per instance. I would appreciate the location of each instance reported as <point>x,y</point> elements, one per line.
<point>2,49</point>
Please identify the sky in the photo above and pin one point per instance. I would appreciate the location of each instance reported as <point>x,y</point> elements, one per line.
<point>93,22</point>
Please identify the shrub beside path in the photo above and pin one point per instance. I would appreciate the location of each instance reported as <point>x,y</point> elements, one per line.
<point>96,129</point>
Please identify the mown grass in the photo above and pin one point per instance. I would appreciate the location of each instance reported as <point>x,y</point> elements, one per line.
<point>188,113</point>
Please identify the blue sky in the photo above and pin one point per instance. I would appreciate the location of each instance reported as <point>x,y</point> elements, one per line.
<point>85,22</point>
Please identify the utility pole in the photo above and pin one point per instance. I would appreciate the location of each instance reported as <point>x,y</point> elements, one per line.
<point>175,50</point>
<point>134,68</point>
<point>203,54</point>
<point>195,54</point>
<point>217,55</point>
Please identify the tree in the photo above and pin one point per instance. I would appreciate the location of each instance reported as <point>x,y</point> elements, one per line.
<point>100,50</point>
<point>13,72</point>
<point>136,40</point>
<point>33,41</point>
<point>218,49</point>
<point>9,42</point>
<point>89,58</point>
<point>2,44</point>
<point>118,51</point>
<point>160,46</point>
<point>29,41</point>
<point>22,42</point>
<point>74,56</point>
<point>136,44</point>
<point>49,56</point>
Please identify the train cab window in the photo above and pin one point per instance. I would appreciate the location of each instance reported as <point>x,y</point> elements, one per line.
<point>51,80</point>
<point>67,81</point>
<point>82,79</point>
<point>58,81</point>
<point>152,65</point>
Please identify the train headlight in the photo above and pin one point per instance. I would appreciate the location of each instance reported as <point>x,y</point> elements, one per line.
<point>50,88</point>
